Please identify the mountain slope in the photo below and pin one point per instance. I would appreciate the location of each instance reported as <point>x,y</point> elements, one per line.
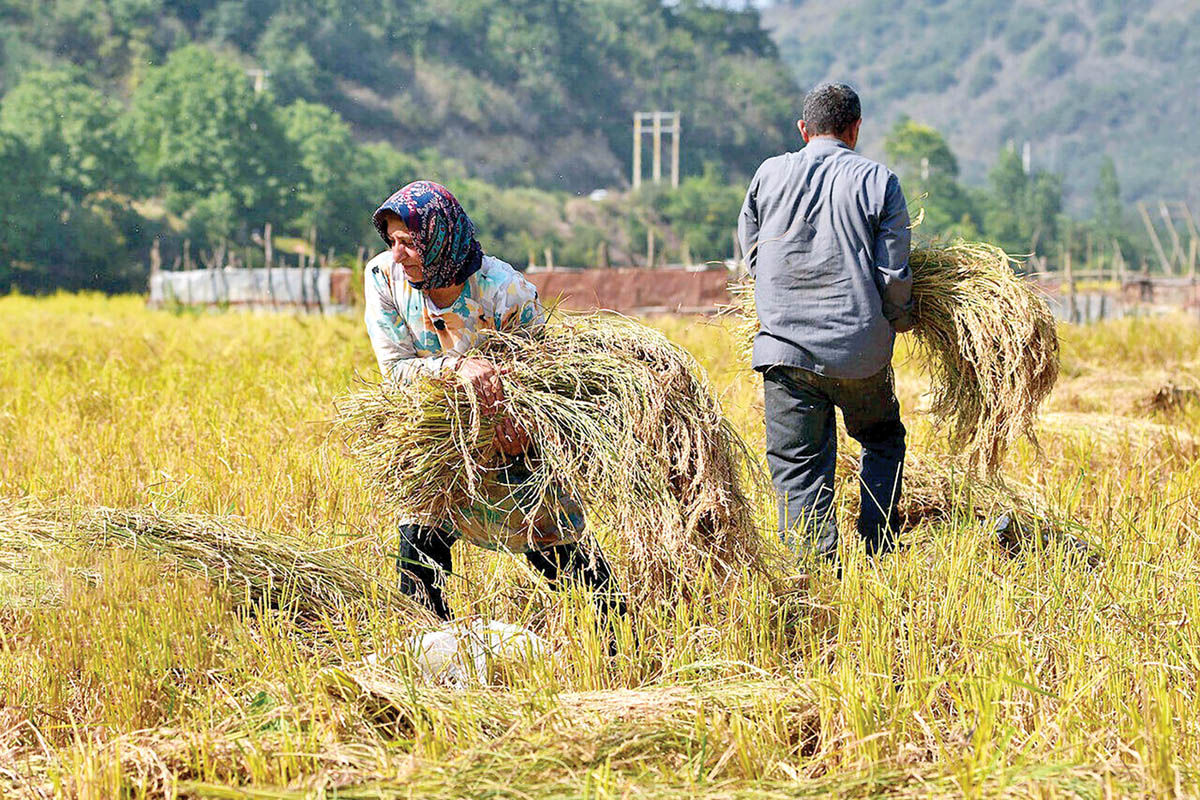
<point>519,91</point>
<point>1078,79</point>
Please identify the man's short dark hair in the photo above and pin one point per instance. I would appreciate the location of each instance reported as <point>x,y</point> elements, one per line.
<point>831,108</point>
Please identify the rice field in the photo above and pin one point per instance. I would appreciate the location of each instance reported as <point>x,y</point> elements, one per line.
<point>961,666</point>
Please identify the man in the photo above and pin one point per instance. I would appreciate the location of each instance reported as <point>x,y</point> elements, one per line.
<point>826,237</point>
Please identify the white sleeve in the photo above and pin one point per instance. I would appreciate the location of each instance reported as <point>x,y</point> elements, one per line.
<point>390,337</point>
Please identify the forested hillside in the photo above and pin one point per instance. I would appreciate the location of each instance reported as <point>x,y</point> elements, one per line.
<point>526,91</point>
<point>1079,79</point>
<point>202,124</point>
<point>199,123</point>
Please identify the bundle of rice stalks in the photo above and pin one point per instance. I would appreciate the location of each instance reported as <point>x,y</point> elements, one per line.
<point>263,570</point>
<point>1171,397</point>
<point>988,340</point>
<point>620,419</point>
<point>577,721</point>
<point>990,343</point>
<point>935,492</point>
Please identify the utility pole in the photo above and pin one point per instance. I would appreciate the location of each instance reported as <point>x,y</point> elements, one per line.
<point>1158,248</point>
<point>675,131</point>
<point>1176,246</point>
<point>260,78</point>
<point>637,150</point>
<point>656,124</point>
<point>658,148</point>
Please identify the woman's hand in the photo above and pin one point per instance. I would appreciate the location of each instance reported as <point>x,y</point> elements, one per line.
<point>484,378</point>
<point>511,438</point>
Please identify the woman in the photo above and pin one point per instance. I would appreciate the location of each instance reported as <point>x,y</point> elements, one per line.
<point>428,297</point>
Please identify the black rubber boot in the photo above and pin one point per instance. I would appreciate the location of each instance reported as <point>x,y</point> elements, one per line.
<point>571,562</point>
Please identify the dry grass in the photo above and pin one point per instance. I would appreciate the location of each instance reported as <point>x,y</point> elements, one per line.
<point>1170,397</point>
<point>954,668</point>
<point>619,417</point>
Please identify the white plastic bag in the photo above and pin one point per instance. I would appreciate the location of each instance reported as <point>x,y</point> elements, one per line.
<point>459,654</point>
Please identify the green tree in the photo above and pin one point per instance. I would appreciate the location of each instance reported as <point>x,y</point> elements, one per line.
<point>1022,208</point>
<point>703,211</point>
<point>26,208</point>
<point>282,50</point>
<point>200,130</point>
<point>1107,211</point>
<point>50,241</point>
<point>74,127</point>
<point>928,172</point>
<point>332,198</point>
<point>914,150</point>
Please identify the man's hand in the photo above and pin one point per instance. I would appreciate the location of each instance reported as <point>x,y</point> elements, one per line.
<point>485,380</point>
<point>904,323</point>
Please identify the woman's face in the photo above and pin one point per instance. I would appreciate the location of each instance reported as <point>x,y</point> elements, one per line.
<point>404,250</point>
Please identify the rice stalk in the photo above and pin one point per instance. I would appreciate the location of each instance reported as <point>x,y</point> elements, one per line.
<point>620,419</point>
<point>264,570</point>
<point>936,491</point>
<point>988,341</point>
<point>566,716</point>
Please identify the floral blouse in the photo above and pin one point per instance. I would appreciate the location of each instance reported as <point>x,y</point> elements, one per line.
<point>413,337</point>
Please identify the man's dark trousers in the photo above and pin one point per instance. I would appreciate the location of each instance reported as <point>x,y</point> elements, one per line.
<point>802,454</point>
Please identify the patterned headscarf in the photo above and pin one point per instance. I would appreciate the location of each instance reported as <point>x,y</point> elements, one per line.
<point>442,233</point>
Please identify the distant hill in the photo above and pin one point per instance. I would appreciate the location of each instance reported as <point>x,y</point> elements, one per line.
<point>1079,79</point>
<point>519,91</point>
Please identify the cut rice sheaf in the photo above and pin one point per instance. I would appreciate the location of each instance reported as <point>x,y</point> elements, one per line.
<point>620,418</point>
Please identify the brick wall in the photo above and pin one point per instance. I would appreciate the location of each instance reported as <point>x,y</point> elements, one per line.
<point>629,290</point>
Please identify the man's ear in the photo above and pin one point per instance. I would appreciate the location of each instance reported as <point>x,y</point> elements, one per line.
<point>803,131</point>
<point>852,135</point>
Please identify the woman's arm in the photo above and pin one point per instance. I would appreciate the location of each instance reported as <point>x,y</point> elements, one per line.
<point>390,338</point>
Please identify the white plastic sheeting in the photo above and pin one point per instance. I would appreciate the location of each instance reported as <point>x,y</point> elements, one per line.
<point>287,288</point>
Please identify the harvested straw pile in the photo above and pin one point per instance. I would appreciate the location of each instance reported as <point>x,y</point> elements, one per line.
<point>620,419</point>
<point>989,342</point>
<point>578,720</point>
<point>1171,397</point>
<point>1015,515</point>
<point>263,570</point>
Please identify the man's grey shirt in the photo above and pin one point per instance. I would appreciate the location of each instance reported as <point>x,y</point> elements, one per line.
<point>825,233</point>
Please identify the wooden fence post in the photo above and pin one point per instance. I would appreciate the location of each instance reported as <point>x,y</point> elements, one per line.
<point>268,263</point>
